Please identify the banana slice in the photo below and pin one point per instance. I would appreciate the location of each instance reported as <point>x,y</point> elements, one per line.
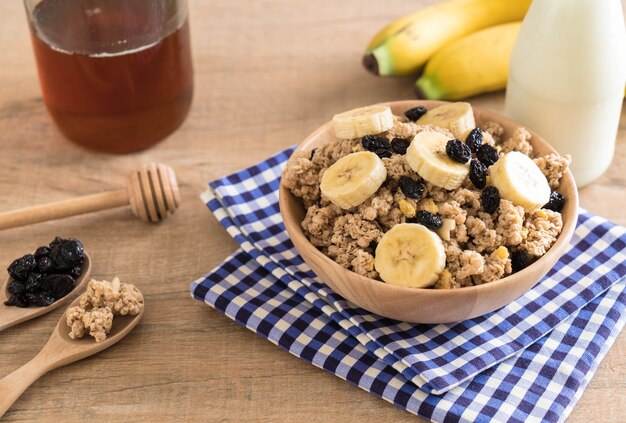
<point>457,117</point>
<point>427,156</point>
<point>363,121</point>
<point>353,179</point>
<point>520,181</point>
<point>410,255</point>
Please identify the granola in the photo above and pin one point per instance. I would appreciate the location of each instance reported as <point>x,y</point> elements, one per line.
<point>478,245</point>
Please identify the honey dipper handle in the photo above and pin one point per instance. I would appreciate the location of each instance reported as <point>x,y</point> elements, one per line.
<point>14,385</point>
<point>65,208</point>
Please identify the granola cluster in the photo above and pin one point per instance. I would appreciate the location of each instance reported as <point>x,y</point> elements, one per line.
<point>99,304</point>
<point>478,245</point>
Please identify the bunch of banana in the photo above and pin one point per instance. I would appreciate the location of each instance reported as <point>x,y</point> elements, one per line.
<point>474,64</point>
<point>405,45</point>
<point>465,46</point>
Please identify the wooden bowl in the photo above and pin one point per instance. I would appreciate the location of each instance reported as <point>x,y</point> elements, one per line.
<point>423,305</point>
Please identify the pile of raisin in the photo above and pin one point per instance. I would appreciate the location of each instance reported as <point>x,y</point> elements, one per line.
<point>49,274</point>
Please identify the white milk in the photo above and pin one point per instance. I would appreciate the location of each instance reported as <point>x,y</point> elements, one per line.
<point>566,79</point>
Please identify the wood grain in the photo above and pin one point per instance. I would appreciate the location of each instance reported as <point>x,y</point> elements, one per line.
<point>267,74</point>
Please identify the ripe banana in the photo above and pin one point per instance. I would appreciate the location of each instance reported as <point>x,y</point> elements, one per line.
<point>427,156</point>
<point>403,46</point>
<point>363,121</point>
<point>410,255</point>
<point>353,179</point>
<point>471,65</point>
<point>520,181</point>
<point>457,117</point>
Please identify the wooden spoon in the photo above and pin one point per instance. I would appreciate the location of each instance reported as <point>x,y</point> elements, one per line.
<point>59,351</point>
<point>11,315</point>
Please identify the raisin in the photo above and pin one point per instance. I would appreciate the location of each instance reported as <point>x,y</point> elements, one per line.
<point>375,142</point>
<point>520,260</point>
<point>58,285</point>
<point>313,153</point>
<point>474,139</point>
<point>383,153</point>
<point>72,251</point>
<point>33,283</point>
<point>12,301</point>
<point>399,145</point>
<point>458,151</point>
<point>21,267</point>
<point>18,301</point>
<point>556,203</point>
<point>410,187</point>
<point>45,265</point>
<point>490,199</point>
<point>423,217</point>
<point>76,272</point>
<point>42,299</point>
<point>478,174</point>
<point>16,288</point>
<point>487,154</point>
<point>56,241</point>
<point>42,251</point>
<point>415,113</point>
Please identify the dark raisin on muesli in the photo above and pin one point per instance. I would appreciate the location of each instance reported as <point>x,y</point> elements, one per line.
<point>383,153</point>
<point>458,151</point>
<point>474,139</point>
<point>556,203</point>
<point>478,174</point>
<point>410,187</point>
<point>520,260</point>
<point>490,199</point>
<point>313,153</point>
<point>428,219</point>
<point>399,145</point>
<point>375,142</point>
<point>415,113</point>
<point>487,154</point>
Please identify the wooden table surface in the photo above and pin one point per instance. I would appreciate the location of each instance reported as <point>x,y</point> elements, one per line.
<point>267,74</point>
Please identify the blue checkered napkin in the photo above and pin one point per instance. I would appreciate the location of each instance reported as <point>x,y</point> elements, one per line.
<point>542,383</point>
<point>435,358</point>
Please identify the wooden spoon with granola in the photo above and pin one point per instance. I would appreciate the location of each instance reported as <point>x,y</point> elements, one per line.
<point>107,311</point>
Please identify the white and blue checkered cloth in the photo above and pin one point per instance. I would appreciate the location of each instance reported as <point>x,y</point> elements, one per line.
<point>528,361</point>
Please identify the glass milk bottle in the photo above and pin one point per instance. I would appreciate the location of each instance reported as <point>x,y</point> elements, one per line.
<point>566,79</point>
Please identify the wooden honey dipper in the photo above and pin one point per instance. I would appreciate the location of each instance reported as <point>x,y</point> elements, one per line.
<point>151,191</point>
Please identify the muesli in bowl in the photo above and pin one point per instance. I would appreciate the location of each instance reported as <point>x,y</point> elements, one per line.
<point>428,198</point>
<point>495,249</point>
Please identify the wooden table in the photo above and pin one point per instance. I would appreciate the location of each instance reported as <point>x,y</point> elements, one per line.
<point>267,74</point>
